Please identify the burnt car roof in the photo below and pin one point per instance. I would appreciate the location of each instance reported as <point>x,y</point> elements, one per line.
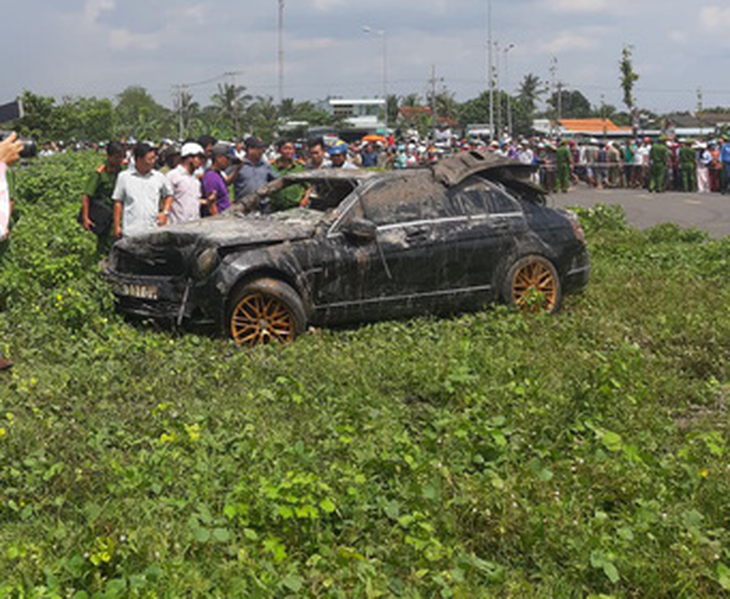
<point>455,169</point>
<point>449,172</point>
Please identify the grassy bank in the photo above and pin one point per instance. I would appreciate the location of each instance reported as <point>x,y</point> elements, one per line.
<point>489,455</point>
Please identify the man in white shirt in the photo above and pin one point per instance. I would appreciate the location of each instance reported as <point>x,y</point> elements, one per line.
<point>142,196</point>
<point>185,184</point>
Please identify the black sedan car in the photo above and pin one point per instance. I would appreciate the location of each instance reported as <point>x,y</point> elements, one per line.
<point>466,232</point>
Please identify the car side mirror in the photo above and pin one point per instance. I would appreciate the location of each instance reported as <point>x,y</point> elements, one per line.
<point>360,229</point>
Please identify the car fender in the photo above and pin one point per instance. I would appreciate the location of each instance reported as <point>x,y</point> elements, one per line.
<point>528,244</point>
<point>276,262</point>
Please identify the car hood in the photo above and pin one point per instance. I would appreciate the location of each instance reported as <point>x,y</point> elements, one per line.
<point>232,229</point>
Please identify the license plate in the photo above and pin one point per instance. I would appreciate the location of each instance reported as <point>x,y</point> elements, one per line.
<point>148,292</point>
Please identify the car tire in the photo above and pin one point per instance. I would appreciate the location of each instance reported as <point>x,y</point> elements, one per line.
<point>265,310</point>
<point>532,283</point>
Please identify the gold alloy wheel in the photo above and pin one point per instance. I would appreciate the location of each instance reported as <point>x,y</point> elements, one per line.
<point>535,286</point>
<point>260,318</point>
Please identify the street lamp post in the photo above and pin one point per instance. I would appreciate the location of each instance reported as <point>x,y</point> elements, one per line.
<point>506,86</point>
<point>281,51</point>
<point>499,92</point>
<point>384,35</point>
<point>490,74</point>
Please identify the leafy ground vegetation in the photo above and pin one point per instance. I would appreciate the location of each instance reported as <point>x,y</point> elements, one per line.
<point>489,455</point>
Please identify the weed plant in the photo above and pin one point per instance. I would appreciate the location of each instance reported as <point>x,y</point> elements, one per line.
<point>495,454</point>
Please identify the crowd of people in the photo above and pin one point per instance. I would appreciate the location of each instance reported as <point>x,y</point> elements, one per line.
<point>657,165</point>
<point>141,186</point>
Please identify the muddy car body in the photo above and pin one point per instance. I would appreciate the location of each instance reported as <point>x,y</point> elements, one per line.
<point>466,232</point>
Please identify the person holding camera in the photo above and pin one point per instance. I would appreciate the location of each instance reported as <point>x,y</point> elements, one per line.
<point>10,149</point>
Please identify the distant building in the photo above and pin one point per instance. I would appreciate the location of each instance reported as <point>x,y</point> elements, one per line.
<point>360,117</point>
<point>592,128</point>
<point>689,125</point>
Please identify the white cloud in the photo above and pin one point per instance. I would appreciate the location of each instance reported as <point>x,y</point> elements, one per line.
<point>195,13</point>
<point>94,8</point>
<point>714,18</point>
<point>327,5</point>
<point>567,41</point>
<point>122,39</point>
<point>320,43</point>
<point>578,5</point>
<point>680,38</point>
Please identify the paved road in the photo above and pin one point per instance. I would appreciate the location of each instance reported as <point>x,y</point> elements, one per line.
<point>706,211</point>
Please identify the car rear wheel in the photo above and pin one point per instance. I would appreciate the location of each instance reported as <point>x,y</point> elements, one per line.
<point>266,311</point>
<point>533,284</point>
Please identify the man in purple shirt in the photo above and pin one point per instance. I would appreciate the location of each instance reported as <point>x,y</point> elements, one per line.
<point>215,190</point>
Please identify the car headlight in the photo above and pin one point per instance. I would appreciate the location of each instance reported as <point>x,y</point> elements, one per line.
<point>207,263</point>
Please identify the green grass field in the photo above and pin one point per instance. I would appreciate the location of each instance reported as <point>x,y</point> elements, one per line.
<point>495,454</point>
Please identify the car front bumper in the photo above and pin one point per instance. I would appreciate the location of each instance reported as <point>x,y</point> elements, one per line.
<point>172,299</point>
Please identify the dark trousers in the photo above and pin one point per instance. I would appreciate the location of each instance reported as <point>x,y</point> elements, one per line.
<point>689,177</point>
<point>725,177</point>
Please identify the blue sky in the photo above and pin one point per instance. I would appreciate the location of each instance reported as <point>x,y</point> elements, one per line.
<point>99,47</point>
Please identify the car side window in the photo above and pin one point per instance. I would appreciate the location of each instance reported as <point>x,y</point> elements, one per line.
<point>479,198</point>
<point>396,201</point>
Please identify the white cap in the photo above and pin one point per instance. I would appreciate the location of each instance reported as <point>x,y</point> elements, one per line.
<point>191,149</point>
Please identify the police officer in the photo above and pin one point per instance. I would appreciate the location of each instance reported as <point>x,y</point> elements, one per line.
<point>564,161</point>
<point>688,167</point>
<point>658,155</point>
<point>96,203</point>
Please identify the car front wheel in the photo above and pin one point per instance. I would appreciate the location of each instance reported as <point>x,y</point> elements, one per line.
<point>532,283</point>
<point>264,311</point>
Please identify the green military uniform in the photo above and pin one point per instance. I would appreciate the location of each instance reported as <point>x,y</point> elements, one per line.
<point>658,155</point>
<point>563,160</point>
<point>99,189</point>
<point>688,168</point>
<point>291,196</point>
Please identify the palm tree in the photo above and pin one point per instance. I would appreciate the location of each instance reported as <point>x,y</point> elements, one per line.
<point>411,100</point>
<point>188,113</point>
<point>287,107</point>
<point>530,91</point>
<point>263,117</point>
<point>231,101</point>
<point>392,107</point>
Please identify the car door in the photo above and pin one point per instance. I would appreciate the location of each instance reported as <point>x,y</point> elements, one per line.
<point>392,273</point>
<point>491,220</point>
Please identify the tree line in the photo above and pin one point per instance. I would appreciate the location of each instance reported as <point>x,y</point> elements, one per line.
<point>232,112</point>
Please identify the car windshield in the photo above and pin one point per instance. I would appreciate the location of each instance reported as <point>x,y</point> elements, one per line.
<point>327,194</point>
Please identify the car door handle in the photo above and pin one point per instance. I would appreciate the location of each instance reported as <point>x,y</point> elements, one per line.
<point>500,224</point>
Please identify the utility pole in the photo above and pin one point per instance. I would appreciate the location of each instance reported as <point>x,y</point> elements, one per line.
<point>506,87</point>
<point>490,74</point>
<point>700,108</point>
<point>281,51</point>
<point>499,91</point>
<point>553,88</point>
<point>560,102</point>
<point>433,102</point>
<point>385,79</point>
<point>179,95</point>
<point>384,35</point>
